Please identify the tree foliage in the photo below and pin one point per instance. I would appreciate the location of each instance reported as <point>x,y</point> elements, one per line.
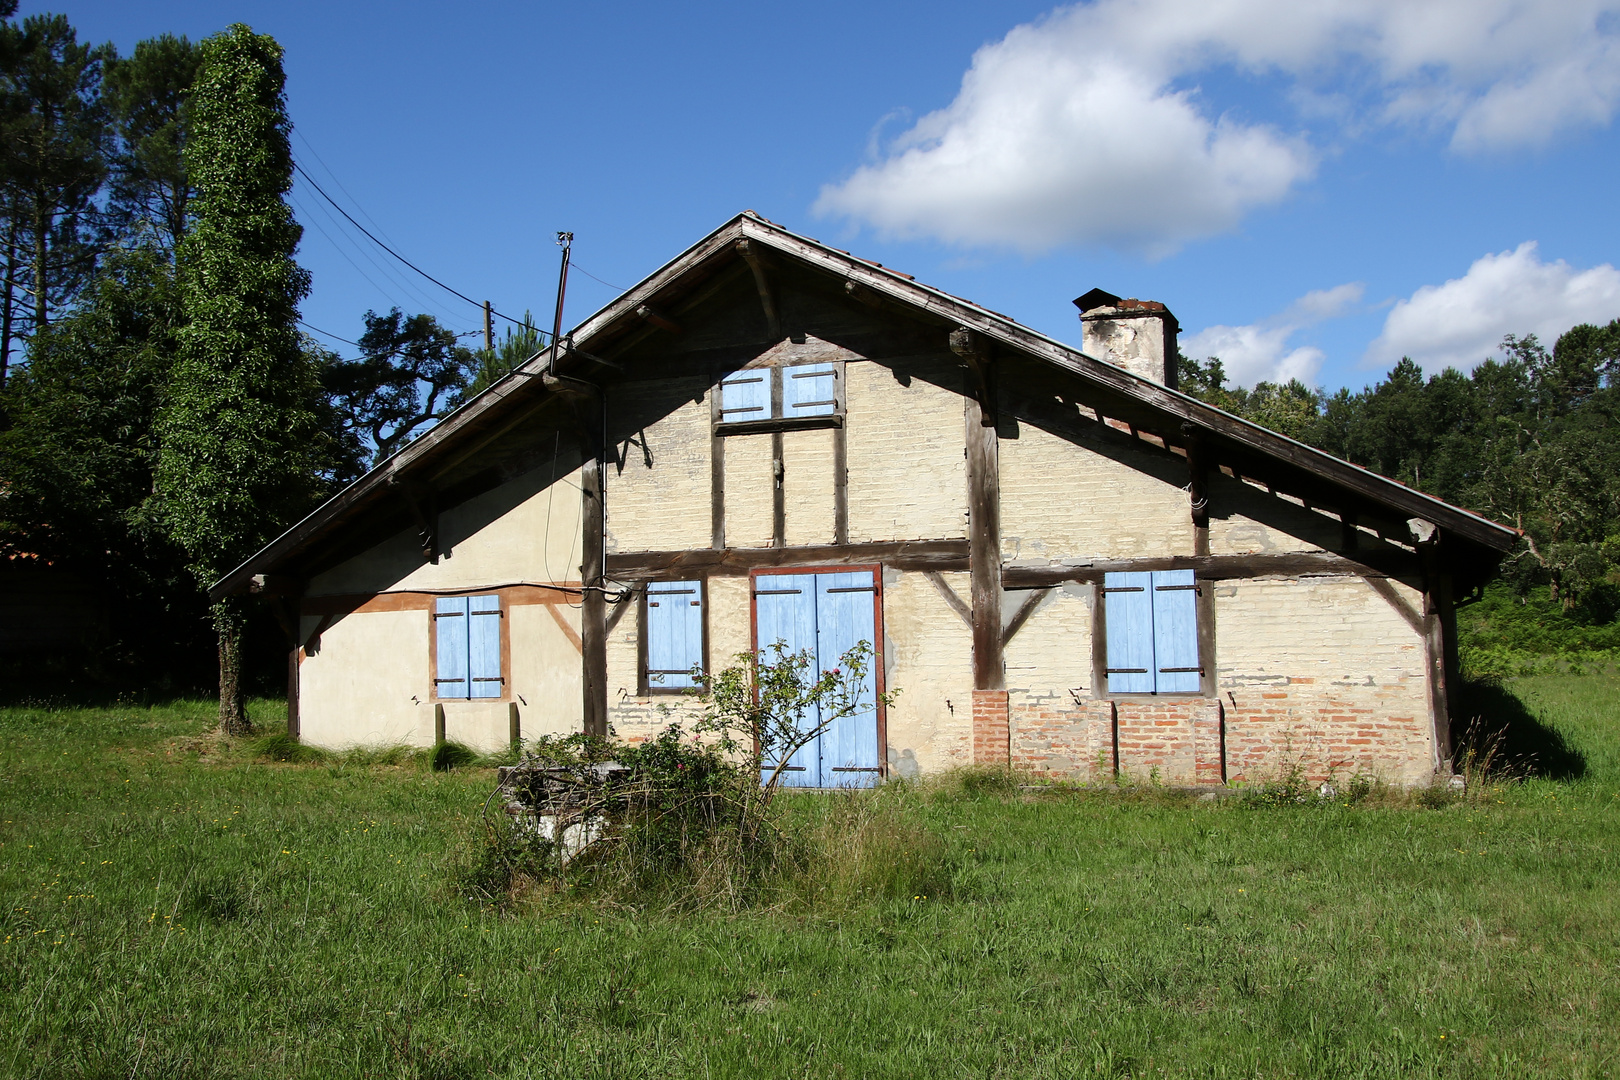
<point>1528,439</point>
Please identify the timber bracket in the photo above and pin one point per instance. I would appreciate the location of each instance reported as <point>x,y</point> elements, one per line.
<point>423,513</point>
<point>767,299</point>
<point>976,352</point>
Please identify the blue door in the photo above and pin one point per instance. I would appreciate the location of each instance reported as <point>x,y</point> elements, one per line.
<point>826,615</point>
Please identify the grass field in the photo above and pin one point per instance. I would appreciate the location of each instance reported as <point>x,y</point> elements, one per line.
<point>179,909</point>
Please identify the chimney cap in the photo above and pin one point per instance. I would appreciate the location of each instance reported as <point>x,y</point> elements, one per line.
<point>1096,298</point>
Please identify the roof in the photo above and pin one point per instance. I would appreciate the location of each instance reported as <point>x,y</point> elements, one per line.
<point>1247,447</point>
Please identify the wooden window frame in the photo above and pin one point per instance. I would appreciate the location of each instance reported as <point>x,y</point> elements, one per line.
<point>834,419</point>
<point>877,632</point>
<point>505,608</point>
<point>645,687</point>
<point>1205,609</point>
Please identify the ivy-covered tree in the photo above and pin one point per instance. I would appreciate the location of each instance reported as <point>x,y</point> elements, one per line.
<point>240,434</point>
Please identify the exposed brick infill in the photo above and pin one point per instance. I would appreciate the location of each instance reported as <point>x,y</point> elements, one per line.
<point>991,741</point>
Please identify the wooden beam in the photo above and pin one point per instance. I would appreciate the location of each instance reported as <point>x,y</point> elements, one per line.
<point>1437,602</point>
<point>1022,615</point>
<point>750,253</point>
<point>647,314</point>
<point>738,562</point>
<point>778,464</point>
<point>975,353</point>
<point>840,484</point>
<point>1197,487</point>
<point>1212,567</point>
<point>593,607</point>
<point>948,594</point>
<point>717,472</point>
<point>984,546</point>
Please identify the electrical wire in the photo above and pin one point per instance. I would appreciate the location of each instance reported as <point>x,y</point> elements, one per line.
<point>575,266</point>
<point>454,292</point>
<point>417,296</point>
<point>334,337</point>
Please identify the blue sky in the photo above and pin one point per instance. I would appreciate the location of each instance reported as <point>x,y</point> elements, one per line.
<point>1312,189</point>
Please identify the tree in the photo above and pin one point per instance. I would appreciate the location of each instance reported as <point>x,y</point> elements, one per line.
<point>410,374</point>
<point>78,458</point>
<point>146,98</point>
<point>490,366</point>
<point>240,437</point>
<point>55,146</point>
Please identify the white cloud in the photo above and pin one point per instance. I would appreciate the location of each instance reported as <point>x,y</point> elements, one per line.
<point>1083,128</point>
<point>1259,351</point>
<point>1462,322</point>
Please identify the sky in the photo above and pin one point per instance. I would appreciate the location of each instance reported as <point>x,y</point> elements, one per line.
<point>1315,190</point>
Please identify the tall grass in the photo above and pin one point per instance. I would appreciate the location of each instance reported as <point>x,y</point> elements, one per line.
<point>177,906</point>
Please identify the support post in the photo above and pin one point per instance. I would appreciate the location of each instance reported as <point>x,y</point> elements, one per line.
<point>593,609</point>
<point>514,726</point>
<point>991,725</point>
<point>1437,605</point>
<point>438,722</point>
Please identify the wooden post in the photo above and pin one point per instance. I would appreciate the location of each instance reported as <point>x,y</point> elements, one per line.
<point>1437,603</point>
<point>1197,488</point>
<point>514,726</point>
<point>593,609</point>
<point>489,328</point>
<point>438,722</point>
<point>984,548</point>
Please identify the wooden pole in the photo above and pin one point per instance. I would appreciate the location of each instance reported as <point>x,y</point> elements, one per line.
<point>593,608</point>
<point>489,327</point>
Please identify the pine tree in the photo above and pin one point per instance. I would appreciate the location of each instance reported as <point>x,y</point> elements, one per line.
<point>240,432</point>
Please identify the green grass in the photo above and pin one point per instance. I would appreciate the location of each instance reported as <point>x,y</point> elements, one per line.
<point>175,909</point>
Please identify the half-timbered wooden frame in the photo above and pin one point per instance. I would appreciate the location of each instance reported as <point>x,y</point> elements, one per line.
<point>994,478</point>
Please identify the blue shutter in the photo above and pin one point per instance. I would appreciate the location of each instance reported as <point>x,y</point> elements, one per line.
<point>846,616</point>
<point>484,646</point>
<point>785,611</point>
<point>1175,632</point>
<point>450,626</point>
<point>1129,617</point>
<point>810,390</point>
<point>674,633</point>
<point>746,395</point>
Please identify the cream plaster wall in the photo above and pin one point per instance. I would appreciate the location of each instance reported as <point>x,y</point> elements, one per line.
<point>1063,500</point>
<point>750,493</point>
<point>664,505</point>
<point>907,474</point>
<point>807,486</point>
<point>928,661</point>
<point>526,530</point>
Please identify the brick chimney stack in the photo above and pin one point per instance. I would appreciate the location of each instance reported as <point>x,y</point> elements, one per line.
<point>1137,335</point>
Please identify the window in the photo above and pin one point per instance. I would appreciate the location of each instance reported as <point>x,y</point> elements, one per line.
<point>467,647</point>
<point>673,636</point>
<point>796,392</point>
<point>1152,632</point>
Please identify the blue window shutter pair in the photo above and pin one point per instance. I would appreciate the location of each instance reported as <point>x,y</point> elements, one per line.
<point>826,615</point>
<point>1152,621</point>
<point>468,646</point>
<point>674,633</point>
<point>807,390</point>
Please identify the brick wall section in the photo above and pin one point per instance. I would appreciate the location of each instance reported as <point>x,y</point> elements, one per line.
<point>990,730</point>
<point>1063,739</point>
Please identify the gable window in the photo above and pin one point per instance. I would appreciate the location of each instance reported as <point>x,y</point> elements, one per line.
<point>467,647</point>
<point>773,397</point>
<point>672,636</point>
<point>1152,632</point>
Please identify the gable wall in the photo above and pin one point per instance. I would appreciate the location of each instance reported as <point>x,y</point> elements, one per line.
<point>366,677</point>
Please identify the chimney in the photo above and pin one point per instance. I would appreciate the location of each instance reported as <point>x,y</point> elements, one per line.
<point>1137,335</point>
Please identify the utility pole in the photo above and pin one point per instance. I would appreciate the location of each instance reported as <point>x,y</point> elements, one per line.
<point>489,328</point>
<point>565,240</point>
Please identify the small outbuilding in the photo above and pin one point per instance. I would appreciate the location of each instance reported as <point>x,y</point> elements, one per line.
<point>1060,561</point>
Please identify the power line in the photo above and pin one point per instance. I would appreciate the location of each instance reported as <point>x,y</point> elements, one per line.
<point>593,277</point>
<point>334,337</point>
<point>322,192</point>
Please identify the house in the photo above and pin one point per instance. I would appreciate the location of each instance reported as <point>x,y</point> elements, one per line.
<point>1061,561</point>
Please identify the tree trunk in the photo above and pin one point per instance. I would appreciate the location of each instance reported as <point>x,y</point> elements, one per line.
<point>40,310</point>
<point>228,622</point>
<point>8,293</point>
